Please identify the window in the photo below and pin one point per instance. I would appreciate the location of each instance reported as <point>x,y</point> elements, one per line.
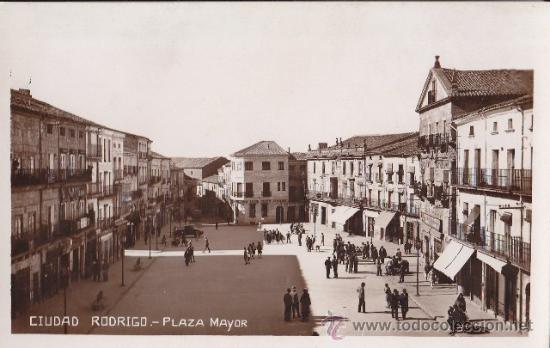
<point>510,124</point>
<point>284,186</point>
<point>81,134</point>
<point>264,209</point>
<point>314,167</point>
<point>266,165</point>
<point>266,190</point>
<point>281,165</point>
<point>248,165</point>
<point>278,186</point>
<point>72,133</point>
<point>323,168</point>
<point>62,131</point>
<point>351,168</point>
<point>252,210</point>
<point>471,131</point>
<point>360,169</point>
<point>249,189</point>
<point>495,127</point>
<point>400,172</point>
<point>49,128</point>
<point>344,168</point>
<point>18,226</point>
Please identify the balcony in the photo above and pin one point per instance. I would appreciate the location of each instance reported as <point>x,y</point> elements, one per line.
<point>508,180</point>
<point>94,151</point>
<point>106,223</point>
<point>98,189</point>
<point>154,180</point>
<point>506,247</point>
<point>118,174</point>
<point>266,193</point>
<point>237,194</point>
<point>249,194</point>
<point>27,177</point>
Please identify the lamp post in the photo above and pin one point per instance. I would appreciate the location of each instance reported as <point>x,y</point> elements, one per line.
<point>417,264</point>
<point>123,253</point>
<point>149,223</point>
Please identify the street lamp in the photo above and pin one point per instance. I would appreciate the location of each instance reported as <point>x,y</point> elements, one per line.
<point>417,246</point>
<point>149,223</point>
<point>123,253</point>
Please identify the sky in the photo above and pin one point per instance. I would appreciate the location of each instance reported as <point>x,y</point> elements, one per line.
<point>207,79</point>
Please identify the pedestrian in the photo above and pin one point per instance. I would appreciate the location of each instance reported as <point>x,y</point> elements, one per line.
<point>287,300</point>
<point>259,247</point>
<point>427,269</point>
<point>206,245</point>
<point>461,302</point>
<point>361,295</point>
<point>433,277</point>
<point>379,266</point>
<point>451,320</point>
<point>216,224</point>
<point>404,303</point>
<point>402,269</point>
<point>328,265</point>
<point>387,291</point>
<point>187,256</point>
<point>95,270</point>
<point>305,302</point>
<point>288,237</point>
<point>164,240</point>
<point>246,259</point>
<point>383,253</point>
<point>295,303</point>
<point>355,264</point>
<point>322,239</point>
<point>105,271</point>
<point>394,304</point>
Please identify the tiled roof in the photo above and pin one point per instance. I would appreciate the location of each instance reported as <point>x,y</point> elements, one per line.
<point>261,148</point>
<point>193,162</point>
<point>158,155</point>
<point>526,101</point>
<point>298,156</point>
<point>354,146</point>
<point>488,82</point>
<point>23,99</point>
<point>213,179</point>
<point>405,147</point>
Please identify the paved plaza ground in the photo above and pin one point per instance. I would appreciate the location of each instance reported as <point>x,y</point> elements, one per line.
<point>219,286</point>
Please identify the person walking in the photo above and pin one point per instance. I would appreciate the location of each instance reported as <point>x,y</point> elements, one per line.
<point>246,259</point>
<point>361,295</point>
<point>322,239</point>
<point>335,266</point>
<point>216,224</point>
<point>288,237</point>
<point>206,245</point>
<point>295,303</point>
<point>259,248</point>
<point>387,291</point>
<point>461,302</point>
<point>394,304</point>
<point>427,269</point>
<point>328,265</point>
<point>402,268</point>
<point>379,266</point>
<point>404,303</point>
<point>287,300</point>
<point>305,303</point>
<point>382,253</point>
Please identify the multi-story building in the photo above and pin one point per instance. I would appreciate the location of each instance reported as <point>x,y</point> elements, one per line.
<point>259,183</point>
<point>199,167</point>
<point>446,95</point>
<point>50,220</point>
<point>297,187</point>
<point>352,187</point>
<point>392,208</point>
<point>493,186</point>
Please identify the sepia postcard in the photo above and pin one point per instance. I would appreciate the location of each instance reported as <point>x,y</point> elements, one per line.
<point>237,173</point>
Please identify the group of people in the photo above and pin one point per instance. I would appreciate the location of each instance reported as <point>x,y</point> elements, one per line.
<point>296,306</point>
<point>249,251</point>
<point>395,300</point>
<point>457,314</point>
<point>100,271</point>
<point>275,236</point>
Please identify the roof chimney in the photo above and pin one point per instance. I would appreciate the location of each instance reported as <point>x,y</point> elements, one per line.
<point>436,63</point>
<point>323,146</point>
<point>289,149</point>
<point>309,147</point>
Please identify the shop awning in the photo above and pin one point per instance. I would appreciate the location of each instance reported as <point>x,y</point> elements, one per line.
<point>495,263</point>
<point>453,259</point>
<point>342,214</point>
<point>384,219</point>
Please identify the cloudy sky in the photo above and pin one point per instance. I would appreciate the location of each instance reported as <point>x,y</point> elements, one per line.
<point>203,79</point>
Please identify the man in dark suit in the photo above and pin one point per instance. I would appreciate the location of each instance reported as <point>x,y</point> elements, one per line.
<point>361,295</point>
<point>335,266</point>
<point>328,265</point>
<point>287,300</point>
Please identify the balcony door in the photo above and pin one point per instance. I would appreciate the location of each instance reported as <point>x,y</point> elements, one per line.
<point>477,166</point>
<point>494,168</point>
<point>510,158</point>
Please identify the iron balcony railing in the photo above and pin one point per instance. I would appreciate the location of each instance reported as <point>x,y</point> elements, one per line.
<point>237,194</point>
<point>26,177</point>
<point>94,150</point>
<point>510,180</point>
<point>100,189</point>
<point>506,247</point>
<point>266,193</point>
<point>118,174</point>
